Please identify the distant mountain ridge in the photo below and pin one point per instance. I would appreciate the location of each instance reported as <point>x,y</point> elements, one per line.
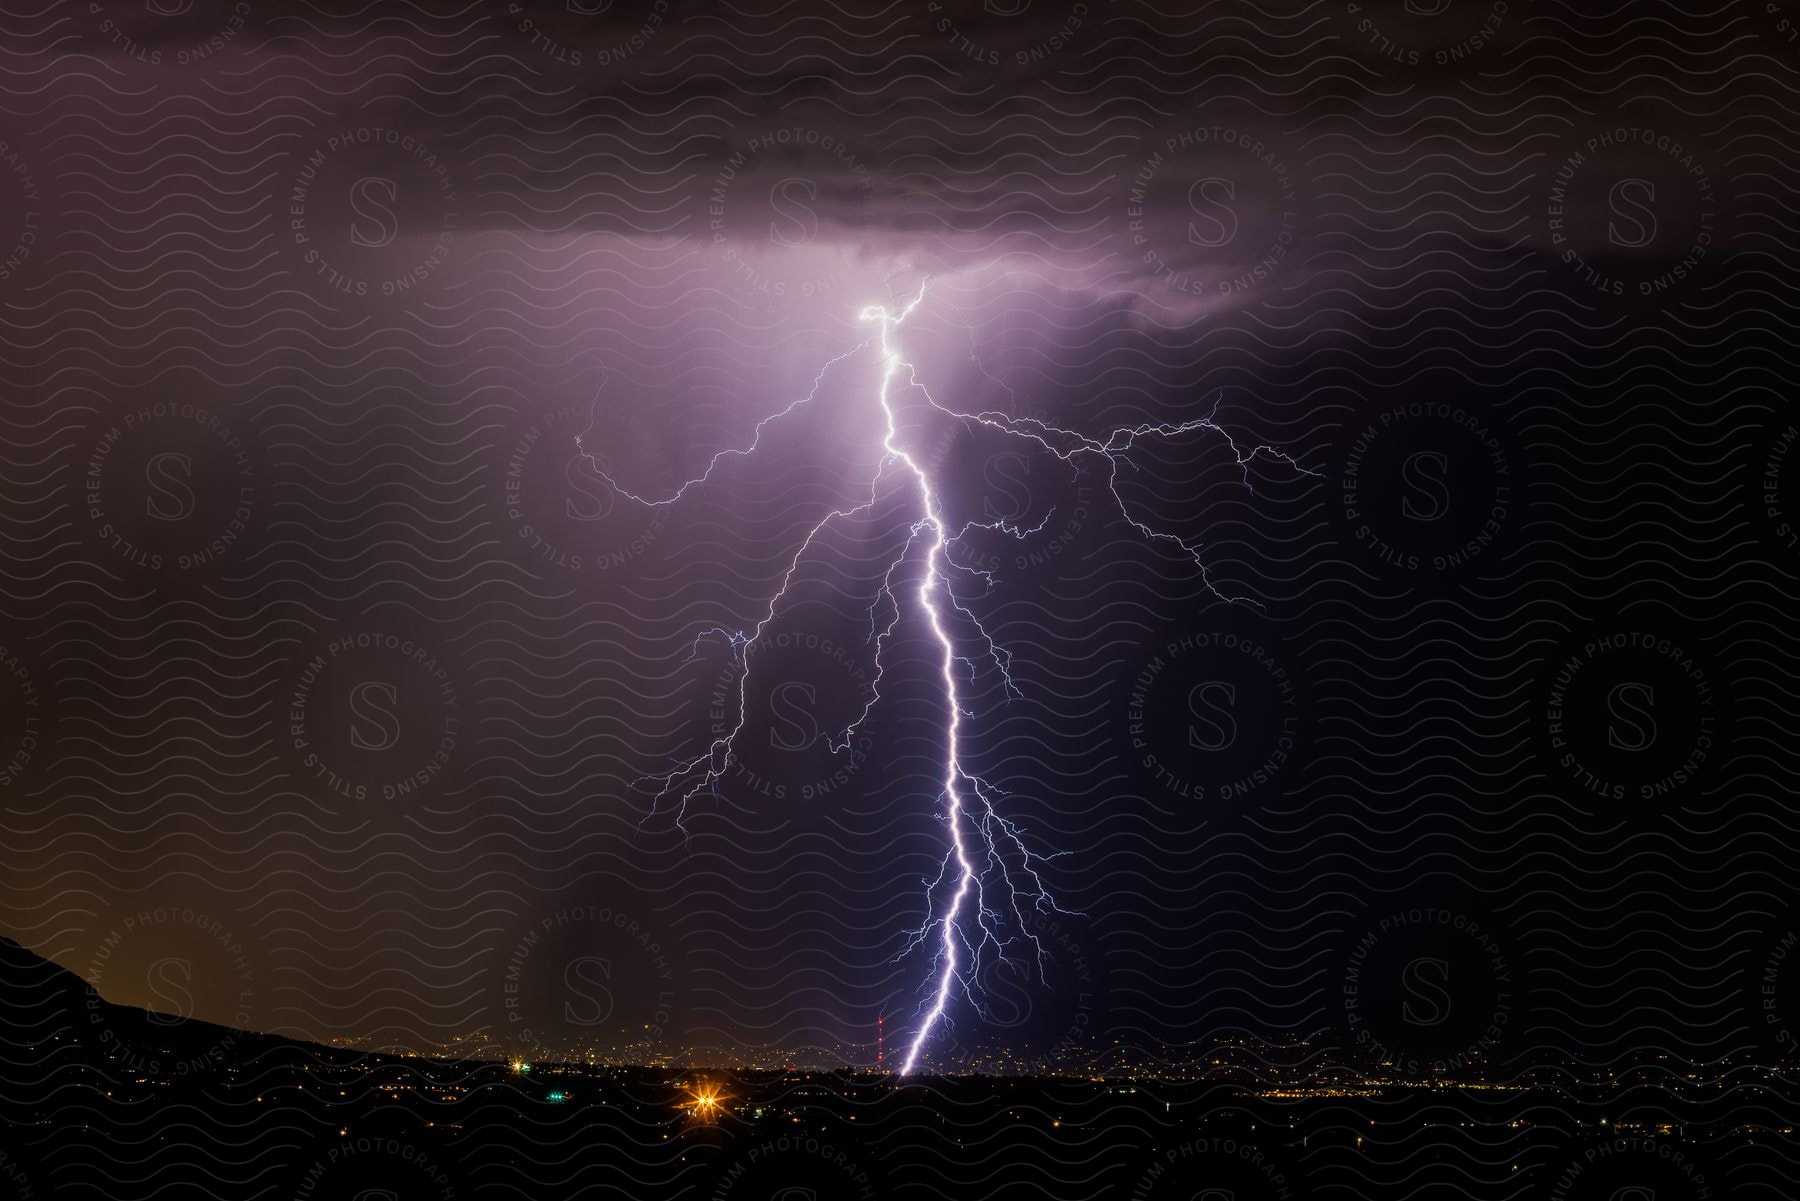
<point>39,996</point>
<point>52,1019</point>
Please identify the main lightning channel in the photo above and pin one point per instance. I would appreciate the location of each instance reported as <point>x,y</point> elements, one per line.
<point>968,928</point>
<point>932,580</point>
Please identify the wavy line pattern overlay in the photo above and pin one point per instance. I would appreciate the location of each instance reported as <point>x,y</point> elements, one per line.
<point>1417,799</point>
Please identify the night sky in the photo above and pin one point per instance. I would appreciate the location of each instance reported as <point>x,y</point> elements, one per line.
<point>339,661</point>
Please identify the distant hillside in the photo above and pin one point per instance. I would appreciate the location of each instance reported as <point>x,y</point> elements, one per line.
<point>51,1020</point>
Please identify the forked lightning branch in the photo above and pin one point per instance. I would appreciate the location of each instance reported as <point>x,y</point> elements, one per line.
<point>976,906</point>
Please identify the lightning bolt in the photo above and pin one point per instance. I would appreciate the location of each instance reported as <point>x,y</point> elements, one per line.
<point>988,863</point>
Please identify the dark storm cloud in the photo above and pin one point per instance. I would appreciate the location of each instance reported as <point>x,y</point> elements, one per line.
<point>1064,132</point>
